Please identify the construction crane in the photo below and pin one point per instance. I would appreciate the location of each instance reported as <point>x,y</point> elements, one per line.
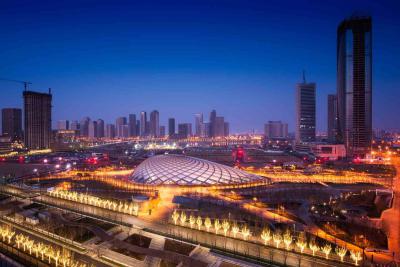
<point>25,83</point>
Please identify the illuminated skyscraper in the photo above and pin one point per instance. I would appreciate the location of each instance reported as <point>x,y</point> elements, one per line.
<point>119,126</point>
<point>143,123</point>
<point>132,125</point>
<point>84,127</point>
<point>100,128</point>
<point>198,124</point>
<point>155,123</point>
<point>37,110</point>
<point>305,112</point>
<point>354,85</point>
<point>171,127</point>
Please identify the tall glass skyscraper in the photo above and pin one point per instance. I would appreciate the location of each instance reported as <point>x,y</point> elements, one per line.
<point>354,85</point>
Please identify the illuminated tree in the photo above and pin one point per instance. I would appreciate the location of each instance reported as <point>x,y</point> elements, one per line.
<point>327,250</point>
<point>217,225</point>
<point>199,222</point>
<point>355,256</point>
<point>277,237</point>
<point>245,232</point>
<point>175,216</point>
<point>235,229</point>
<point>29,245</point>
<point>183,218</point>
<point>207,223</point>
<point>341,252</point>
<point>287,239</point>
<point>56,256</point>
<point>313,246</point>
<point>10,235</point>
<point>225,225</point>
<point>266,235</point>
<point>301,242</point>
<point>192,221</point>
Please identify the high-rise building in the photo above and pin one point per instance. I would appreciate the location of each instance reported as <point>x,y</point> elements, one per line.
<point>332,118</point>
<point>119,125</point>
<point>37,111</point>
<point>162,131</point>
<point>354,85</point>
<point>12,122</point>
<point>184,130</point>
<point>226,128</point>
<point>305,112</point>
<point>137,127</point>
<point>219,126</point>
<point>110,130</point>
<point>143,123</point>
<point>276,129</point>
<point>84,127</point>
<point>171,127</point>
<point>132,125</point>
<point>198,124</point>
<point>213,117</point>
<point>74,126</point>
<point>154,123</point>
<point>100,128</point>
<point>63,125</point>
<point>92,129</point>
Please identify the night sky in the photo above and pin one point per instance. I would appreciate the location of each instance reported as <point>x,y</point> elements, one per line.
<point>242,58</point>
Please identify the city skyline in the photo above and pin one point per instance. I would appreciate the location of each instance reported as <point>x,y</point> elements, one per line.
<point>256,85</point>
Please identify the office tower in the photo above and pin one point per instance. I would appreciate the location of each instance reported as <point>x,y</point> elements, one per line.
<point>207,129</point>
<point>119,125</point>
<point>171,127</point>
<point>143,123</point>
<point>226,128</point>
<point>63,125</point>
<point>124,131</point>
<point>92,129</point>
<point>132,125</point>
<point>12,122</point>
<point>84,127</point>
<point>37,111</point>
<point>332,118</point>
<point>213,116</point>
<point>110,130</point>
<point>74,126</point>
<point>154,123</point>
<point>219,125</point>
<point>275,129</point>
<point>354,85</point>
<point>184,130</point>
<point>162,131</point>
<point>198,124</point>
<point>137,127</point>
<point>100,128</point>
<point>305,112</point>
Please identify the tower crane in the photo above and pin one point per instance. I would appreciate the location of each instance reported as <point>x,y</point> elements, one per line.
<point>25,83</point>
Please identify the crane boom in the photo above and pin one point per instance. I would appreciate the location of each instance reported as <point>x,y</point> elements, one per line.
<point>25,83</point>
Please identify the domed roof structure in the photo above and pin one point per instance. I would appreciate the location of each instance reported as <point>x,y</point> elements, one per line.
<point>184,170</point>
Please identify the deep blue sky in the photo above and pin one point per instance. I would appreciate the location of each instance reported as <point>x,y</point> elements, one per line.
<point>242,58</point>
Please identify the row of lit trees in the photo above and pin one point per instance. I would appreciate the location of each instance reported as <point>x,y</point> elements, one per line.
<point>41,251</point>
<point>120,206</point>
<point>267,236</point>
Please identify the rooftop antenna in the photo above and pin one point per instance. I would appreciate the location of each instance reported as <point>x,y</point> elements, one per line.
<point>304,76</point>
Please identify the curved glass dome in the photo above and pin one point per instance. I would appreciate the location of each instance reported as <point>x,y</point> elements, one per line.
<point>184,170</point>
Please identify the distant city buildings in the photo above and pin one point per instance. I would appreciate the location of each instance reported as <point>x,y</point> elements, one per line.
<point>155,124</point>
<point>276,130</point>
<point>354,85</point>
<point>110,130</point>
<point>305,112</point>
<point>132,125</point>
<point>184,130</point>
<point>143,123</point>
<point>37,119</point>
<point>171,127</point>
<point>63,125</point>
<point>92,129</point>
<point>100,128</point>
<point>84,127</point>
<point>12,123</point>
